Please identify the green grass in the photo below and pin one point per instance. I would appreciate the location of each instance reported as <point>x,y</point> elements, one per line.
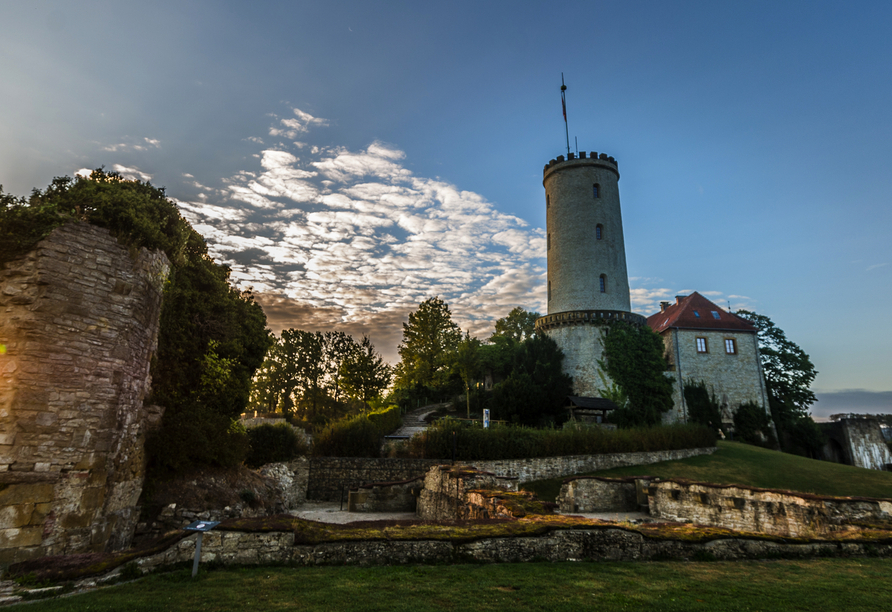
<point>737,463</point>
<point>849,584</point>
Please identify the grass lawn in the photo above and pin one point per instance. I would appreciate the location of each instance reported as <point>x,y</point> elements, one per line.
<point>737,463</point>
<point>848,584</point>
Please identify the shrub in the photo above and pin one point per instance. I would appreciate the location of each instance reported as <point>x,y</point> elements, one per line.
<point>358,436</point>
<point>753,425</point>
<point>273,443</point>
<point>517,442</point>
<point>703,407</point>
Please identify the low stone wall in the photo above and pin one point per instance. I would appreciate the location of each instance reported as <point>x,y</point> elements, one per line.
<point>385,497</point>
<point>448,494</point>
<point>607,544</point>
<point>780,513</point>
<point>330,477</point>
<point>528,470</point>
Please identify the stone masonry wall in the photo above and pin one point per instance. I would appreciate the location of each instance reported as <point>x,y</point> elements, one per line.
<point>734,379</point>
<point>330,477</point>
<point>79,326</point>
<point>446,493</point>
<point>746,509</point>
<point>865,444</point>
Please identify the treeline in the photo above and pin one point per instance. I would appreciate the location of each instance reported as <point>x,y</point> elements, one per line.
<point>318,377</point>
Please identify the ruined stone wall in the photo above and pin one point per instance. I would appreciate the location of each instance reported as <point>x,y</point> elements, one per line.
<point>780,513</point>
<point>447,494</point>
<point>330,477</point>
<point>386,497</point>
<point>79,326</point>
<point>592,494</point>
<point>734,379</point>
<point>864,443</point>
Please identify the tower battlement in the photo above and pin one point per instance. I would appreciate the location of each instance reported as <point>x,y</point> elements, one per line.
<point>583,159</point>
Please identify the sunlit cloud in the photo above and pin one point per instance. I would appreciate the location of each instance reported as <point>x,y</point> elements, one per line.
<point>139,145</point>
<point>333,238</point>
<point>132,174</point>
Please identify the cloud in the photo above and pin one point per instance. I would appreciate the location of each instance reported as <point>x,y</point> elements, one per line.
<point>348,239</point>
<point>84,172</point>
<point>857,401</point>
<point>139,145</point>
<point>875,266</point>
<point>300,124</point>
<point>131,173</point>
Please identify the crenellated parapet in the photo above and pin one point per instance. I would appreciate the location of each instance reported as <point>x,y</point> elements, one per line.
<point>582,159</point>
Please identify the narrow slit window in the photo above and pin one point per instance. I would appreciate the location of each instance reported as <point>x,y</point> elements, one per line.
<point>548,248</point>
<point>549,291</point>
<point>547,201</point>
<point>603,283</point>
<point>599,232</point>
<point>596,190</point>
<point>701,345</point>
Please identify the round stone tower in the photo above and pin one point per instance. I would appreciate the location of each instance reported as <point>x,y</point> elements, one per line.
<point>587,280</point>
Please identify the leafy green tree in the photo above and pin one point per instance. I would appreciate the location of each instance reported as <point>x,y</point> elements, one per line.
<point>430,337</point>
<point>535,393</point>
<point>518,325</point>
<point>789,374</point>
<point>467,364</point>
<point>364,373</point>
<point>633,358</point>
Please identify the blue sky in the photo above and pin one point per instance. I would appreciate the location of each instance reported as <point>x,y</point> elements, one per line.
<point>350,159</point>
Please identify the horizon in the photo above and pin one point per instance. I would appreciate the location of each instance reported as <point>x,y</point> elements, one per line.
<point>350,161</point>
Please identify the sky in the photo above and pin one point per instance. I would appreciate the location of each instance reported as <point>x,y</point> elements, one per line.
<point>349,160</point>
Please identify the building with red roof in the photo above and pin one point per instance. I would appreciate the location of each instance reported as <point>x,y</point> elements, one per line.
<point>707,343</point>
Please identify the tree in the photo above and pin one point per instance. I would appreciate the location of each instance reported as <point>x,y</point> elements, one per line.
<point>633,358</point>
<point>467,364</point>
<point>535,392</point>
<point>364,373</point>
<point>518,325</point>
<point>703,407</point>
<point>789,374</point>
<point>429,339</point>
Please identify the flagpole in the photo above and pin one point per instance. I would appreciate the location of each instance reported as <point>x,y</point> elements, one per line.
<point>564,105</point>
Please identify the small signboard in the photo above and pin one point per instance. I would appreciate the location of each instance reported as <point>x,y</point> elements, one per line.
<point>201,525</point>
<point>485,418</point>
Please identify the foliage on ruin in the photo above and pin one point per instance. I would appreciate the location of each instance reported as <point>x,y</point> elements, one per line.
<point>518,442</point>
<point>634,360</point>
<point>358,436</point>
<point>212,337</point>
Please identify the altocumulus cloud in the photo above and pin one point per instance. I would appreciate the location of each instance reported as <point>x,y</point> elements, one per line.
<point>352,240</point>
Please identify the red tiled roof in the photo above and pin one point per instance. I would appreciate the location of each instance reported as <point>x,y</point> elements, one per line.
<point>696,312</point>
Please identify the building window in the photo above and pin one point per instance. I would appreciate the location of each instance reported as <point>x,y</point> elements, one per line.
<point>548,248</point>
<point>547,201</point>
<point>715,314</point>
<point>696,314</point>
<point>599,231</point>
<point>603,283</point>
<point>549,291</point>
<point>730,346</point>
<point>701,345</point>
<point>596,190</point>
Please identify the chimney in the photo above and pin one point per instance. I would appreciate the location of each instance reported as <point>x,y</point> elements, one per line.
<point>664,306</point>
<point>679,298</point>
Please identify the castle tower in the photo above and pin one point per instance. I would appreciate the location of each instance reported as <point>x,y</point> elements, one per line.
<point>587,280</point>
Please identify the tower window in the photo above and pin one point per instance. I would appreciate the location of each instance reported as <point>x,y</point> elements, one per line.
<point>548,248</point>
<point>596,190</point>
<point>599,231</point>
<point>547,201</point>
<point>730,346</point>
<point>549,291</point>
<point>603,283</point>
<point>701,345</point>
